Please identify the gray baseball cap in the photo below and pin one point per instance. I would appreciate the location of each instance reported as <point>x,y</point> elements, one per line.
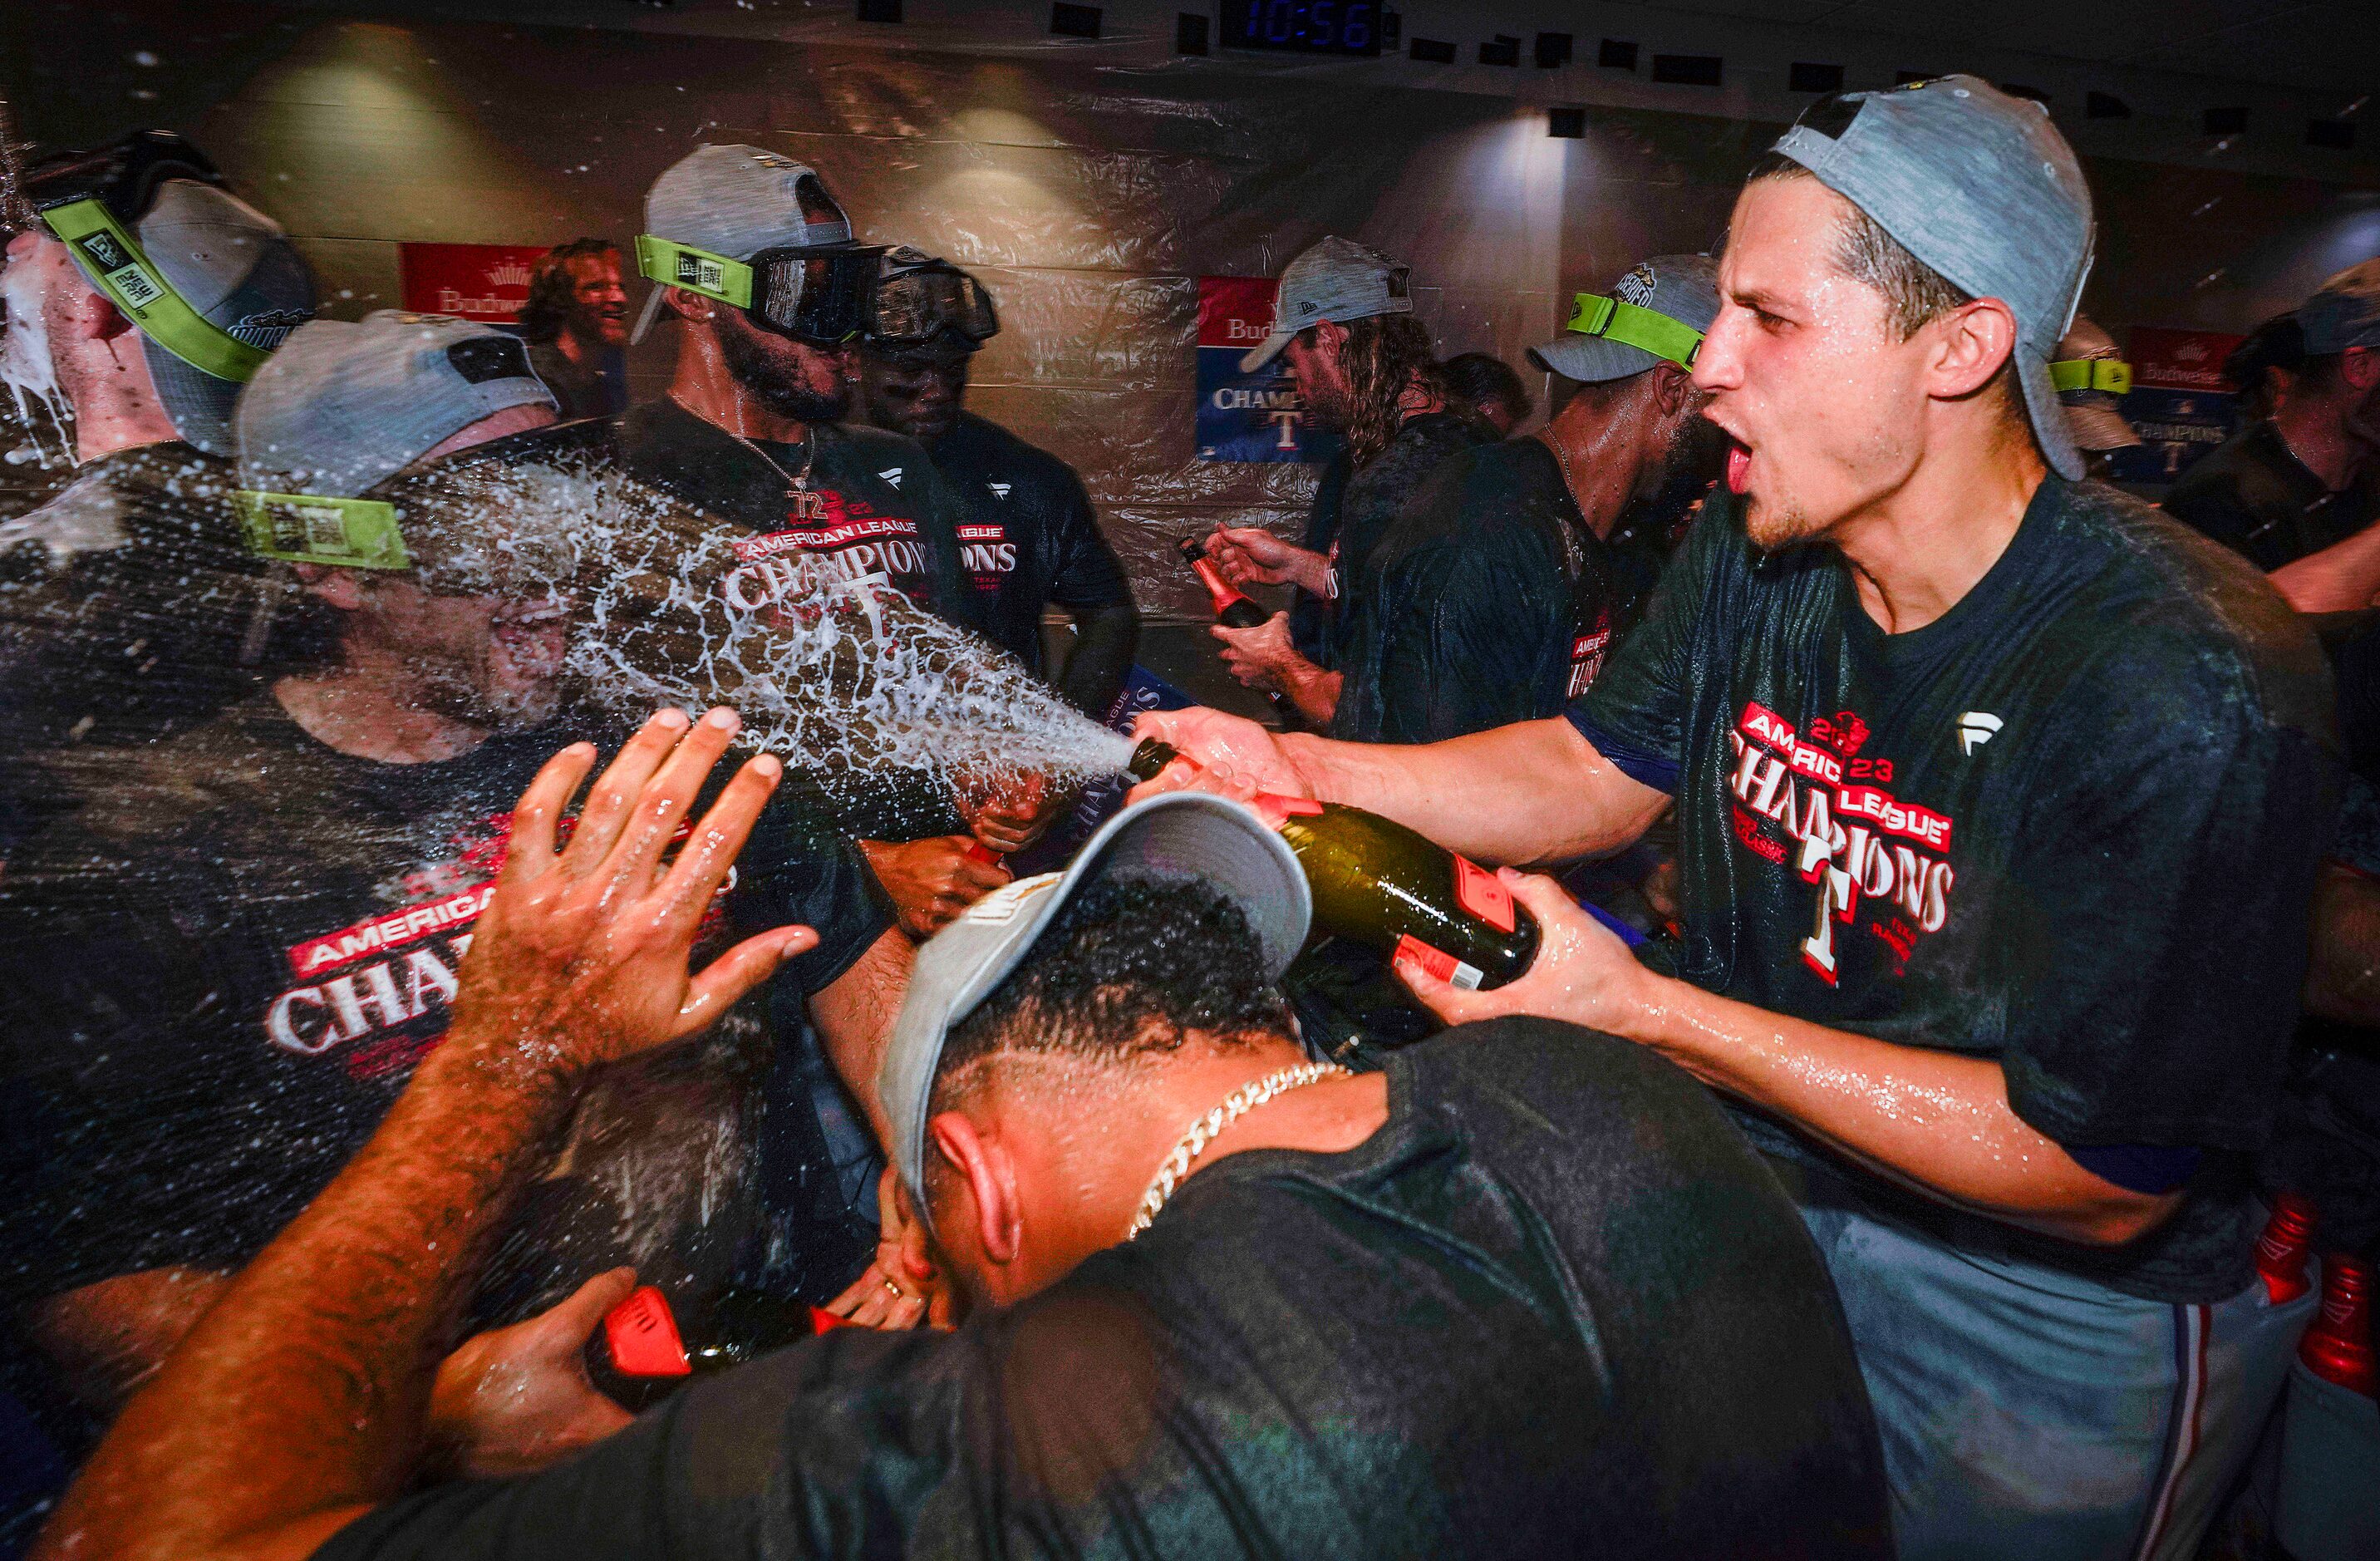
<point>1336,279</point>
<point>2092,377</point>
<point>737,201</point>
<point>234,266</point>
<point>1180,834</point>
<point>2344,313</point>
<point>1981,186</point>
<point>346,404</point>
<point>1609,338</point>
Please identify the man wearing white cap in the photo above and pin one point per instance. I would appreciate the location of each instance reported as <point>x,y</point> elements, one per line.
<point>1493,597</point>
<point>1999,802</point>
<point>227,961</point>
<point>1521,1293</point>
<point>756,261</point>
<point>1365,368</point>
<point>140,295</point>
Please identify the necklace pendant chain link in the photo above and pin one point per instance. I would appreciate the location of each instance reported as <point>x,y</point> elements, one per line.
<point>1237,1104</point>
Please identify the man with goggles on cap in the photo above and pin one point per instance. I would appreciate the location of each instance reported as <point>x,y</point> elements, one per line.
<point>140,295</point>
<point>756,261</point>
<point>1031,537</point>
<point>223,966</point>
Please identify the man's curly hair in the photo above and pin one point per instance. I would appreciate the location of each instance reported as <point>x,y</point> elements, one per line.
<point>553,290</point>
<point>1130,967</point>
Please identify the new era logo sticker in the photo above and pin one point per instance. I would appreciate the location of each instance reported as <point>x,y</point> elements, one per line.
<point>1975,729</point>
<point>892,474</point>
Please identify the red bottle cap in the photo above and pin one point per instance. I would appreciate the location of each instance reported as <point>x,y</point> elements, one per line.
<point>643,1338</point>
<point>825,1321</point>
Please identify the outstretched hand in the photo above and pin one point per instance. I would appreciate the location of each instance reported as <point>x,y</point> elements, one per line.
<point>1229,755</point>
<point>582,956</point>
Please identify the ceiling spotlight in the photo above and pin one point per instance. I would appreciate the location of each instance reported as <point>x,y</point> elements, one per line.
<point>2105,106</point>
<point>1070,20</point>
<point>1432,51</point>
<point>1687,71</point>
<point>2226,121</point>
<point>1566,124</point>
<point>1505,50</point>
<point>1189,31</point>
<point>1809,76</point>
<point>1553,50</point>
<point>1617,53</point>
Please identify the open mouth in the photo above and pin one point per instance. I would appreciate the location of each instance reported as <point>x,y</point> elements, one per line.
<point>1739,467</point>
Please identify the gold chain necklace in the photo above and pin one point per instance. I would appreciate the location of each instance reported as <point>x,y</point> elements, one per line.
<point>1237,1104</point>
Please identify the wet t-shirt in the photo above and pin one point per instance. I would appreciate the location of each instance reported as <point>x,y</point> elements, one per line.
<point>855,502</point>
<point>130,604</point>
<point>2071,825</point>
<point>1553,1307</point>
<point>223,966</point>
<point>1351,511</point>
<point>2259,500</point>
<point>1490,601</point>
<point>1029,539</point>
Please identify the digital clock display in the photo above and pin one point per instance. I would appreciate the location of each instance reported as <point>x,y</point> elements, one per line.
<point>1306,27</point>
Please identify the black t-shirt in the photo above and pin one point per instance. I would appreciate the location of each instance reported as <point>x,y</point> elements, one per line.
<point>1028,539</point>
<point>871,503</point>
<point>1553,1307</point>
<point>223,967</point>
<point>1352,512</point>
<point>1489,601</point>
<point>580,390</point>
<point>2257,500</point>
<point>2073,825</point>
<point>129,602</point>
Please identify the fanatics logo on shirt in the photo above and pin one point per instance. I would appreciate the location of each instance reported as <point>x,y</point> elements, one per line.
<point>1975,729</point>
<point>999,490</point>
<point>892,474</point>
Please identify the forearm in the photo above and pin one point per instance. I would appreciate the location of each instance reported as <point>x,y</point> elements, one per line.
<point>1533,791</point>
<point>855,1014</point>
<point>106,1339</point>
<point>2342,577</point>
<point>1105,641</point>
<point>1314,691</point>
<point>1935,1121</point>
<point>300,1396</point>
<point>2343,980</point>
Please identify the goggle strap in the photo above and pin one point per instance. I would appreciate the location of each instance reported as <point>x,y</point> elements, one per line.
<point>2112,375</point>
<point>1594,314</point>
<point>698,271</point>
<point>309,528</point>
<point>113,257</point>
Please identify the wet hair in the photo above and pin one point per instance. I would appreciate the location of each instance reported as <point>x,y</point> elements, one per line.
<point>1915,293</point>
<point>1128,968</point>
<point>553,290</point>
<point>1478,377</point>
<point>1384,353</point>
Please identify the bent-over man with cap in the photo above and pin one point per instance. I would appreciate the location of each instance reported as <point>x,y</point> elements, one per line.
<point>1365,369</point>
<point>1030,540</point>
<point>2295,493</point>
<point>1999,800</point>
<point>225,965</point>
<point>1521,1293</point>
<point>1493,597</point>
<point>143,297</point>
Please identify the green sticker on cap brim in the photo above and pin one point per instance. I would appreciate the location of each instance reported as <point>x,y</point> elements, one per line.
<point>2112,375</point>
<point>336,534</point>
<point>114,259</point>
<point>1594,314</point>
<point>698,271</point>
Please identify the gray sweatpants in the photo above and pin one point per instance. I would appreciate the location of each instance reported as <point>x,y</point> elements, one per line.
<point>2032,1415</point>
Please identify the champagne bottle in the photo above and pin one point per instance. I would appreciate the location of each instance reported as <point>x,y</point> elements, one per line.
<point>1235,609</point>
<point>2338,1348</point>
<point>2282,1249</point>
<point>1377,882</point>
<point>639,1355</point>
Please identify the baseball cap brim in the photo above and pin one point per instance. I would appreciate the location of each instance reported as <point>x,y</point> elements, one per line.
<point>2099,428</point>
<point>2048,415</point>
<point>1592,359</point>
<point>1187,835</point>
<point>1265,351</point>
